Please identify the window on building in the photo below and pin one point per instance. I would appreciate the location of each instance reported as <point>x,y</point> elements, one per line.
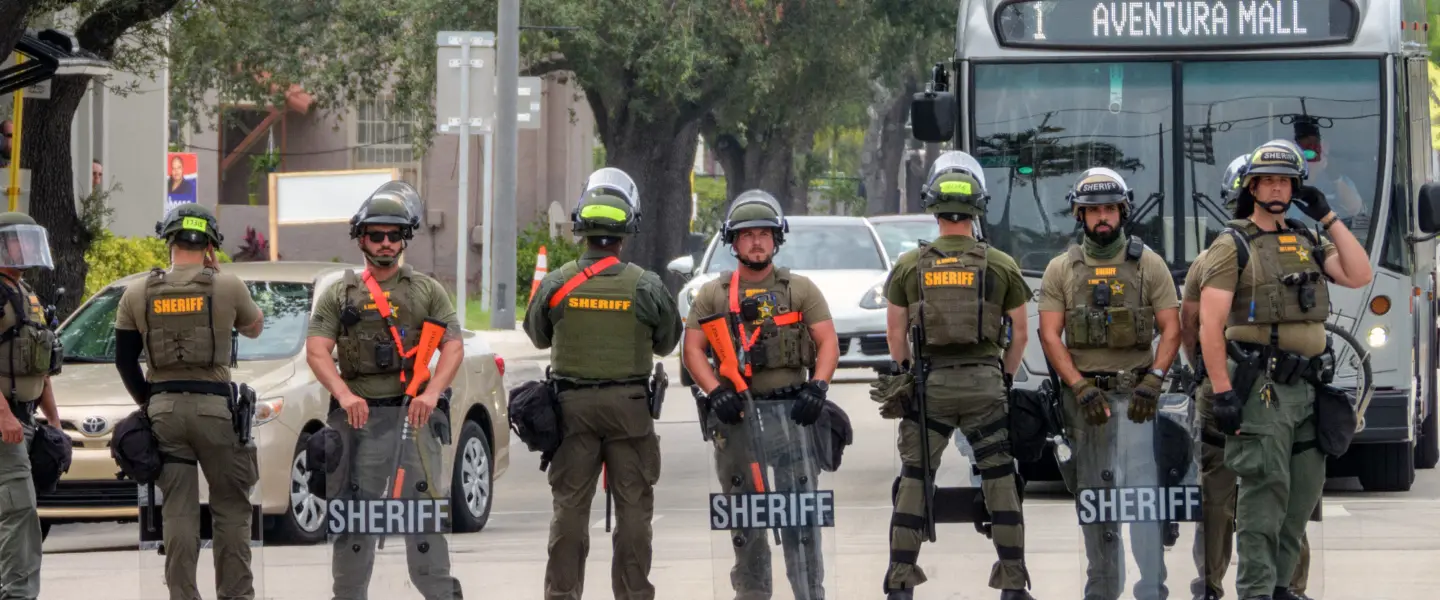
<point>383,139</point>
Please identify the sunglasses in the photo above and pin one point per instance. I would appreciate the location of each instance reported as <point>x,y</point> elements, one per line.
<point>380,236</point>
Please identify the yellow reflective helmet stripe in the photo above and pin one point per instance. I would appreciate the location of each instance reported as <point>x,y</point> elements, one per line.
<point>194,224</point>
<point>601,211</point>
<point>955,187</point>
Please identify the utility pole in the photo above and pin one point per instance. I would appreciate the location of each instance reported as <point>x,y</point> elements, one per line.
<point>464,102</point>
<point>502,313</point>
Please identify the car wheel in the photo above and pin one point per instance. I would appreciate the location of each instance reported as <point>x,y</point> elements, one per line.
<point>304,522</point>
<point>472,483</point>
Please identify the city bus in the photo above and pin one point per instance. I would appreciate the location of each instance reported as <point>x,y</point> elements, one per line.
<point>1167,93</point>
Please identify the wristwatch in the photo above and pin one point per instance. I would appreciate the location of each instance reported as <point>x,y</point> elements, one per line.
<point>1157,373</point>
<point>822,385</point>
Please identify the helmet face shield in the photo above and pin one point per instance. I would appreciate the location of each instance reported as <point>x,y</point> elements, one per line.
<point>958,161</point>
<point>24,247</point>
<point>1230,185</point>
<point>1100,186</point>
<point>616,183</point>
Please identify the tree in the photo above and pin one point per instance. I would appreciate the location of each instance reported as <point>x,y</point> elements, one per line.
<point>811,74</point>
<point>46,147</point>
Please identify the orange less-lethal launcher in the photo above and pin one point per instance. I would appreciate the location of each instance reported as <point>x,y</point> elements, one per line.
<point>432,332</point>
<point>729,363</point>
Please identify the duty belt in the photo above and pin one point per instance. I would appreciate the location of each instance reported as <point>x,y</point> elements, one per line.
<point>208,388</point>
<point>1283,367</point>
<point>565,385</point>
<point>1113,380</point>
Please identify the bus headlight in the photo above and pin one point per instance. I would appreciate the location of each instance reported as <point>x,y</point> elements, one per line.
<point>1378,336</point>
<point>875,298</point>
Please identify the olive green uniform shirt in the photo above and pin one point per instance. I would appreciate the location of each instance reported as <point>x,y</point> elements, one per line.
<point>1057,288</point>
<point>27,389</point>
<point>233,305</point>
<point>1221,271</point>
<point>902,287</point>
<point>805,297</point>
<point>654,307</point>
<point>427,296</point>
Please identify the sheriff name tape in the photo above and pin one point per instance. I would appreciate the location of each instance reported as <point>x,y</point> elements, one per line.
<point>1138,504</point>
<point>388,517</point>
<point>772,509</point>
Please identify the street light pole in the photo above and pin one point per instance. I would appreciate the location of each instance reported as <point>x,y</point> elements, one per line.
<point>507,59</point>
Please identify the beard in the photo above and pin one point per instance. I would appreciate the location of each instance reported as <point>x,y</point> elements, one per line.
<point>755,265</point>
<point>1108,236</point>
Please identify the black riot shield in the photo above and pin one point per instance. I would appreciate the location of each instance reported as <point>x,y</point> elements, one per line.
<point>387,511</point>
<point>1137,499</point>
<point>769,511</point>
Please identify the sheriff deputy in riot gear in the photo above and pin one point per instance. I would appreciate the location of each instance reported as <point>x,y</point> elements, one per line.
<point>29,354</point>
<point>184,320</point>
<point>367,390</point>
<point>1108,362</point>
<point>1218,483</point>
<point>1263,305</point>
<point>604,321</point>
<point>795,335</point>
<point>970,367</point>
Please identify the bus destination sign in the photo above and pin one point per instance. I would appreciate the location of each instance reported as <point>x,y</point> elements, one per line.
<point>1175,23</point>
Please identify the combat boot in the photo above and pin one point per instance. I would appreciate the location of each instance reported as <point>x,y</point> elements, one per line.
<point>1210,594</point>
<point>1286,594</point>
<point>1016,595</point>
<point>905,594</point>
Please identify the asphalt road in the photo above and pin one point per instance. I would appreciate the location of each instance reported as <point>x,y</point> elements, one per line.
<point>1364,535</point>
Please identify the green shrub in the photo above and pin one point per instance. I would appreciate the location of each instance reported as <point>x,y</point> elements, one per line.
<point>111,258</point>
<point>558,251</point>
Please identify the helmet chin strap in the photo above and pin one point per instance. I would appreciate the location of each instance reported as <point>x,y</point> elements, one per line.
<point>1275,208</point>
<point>752,265</point>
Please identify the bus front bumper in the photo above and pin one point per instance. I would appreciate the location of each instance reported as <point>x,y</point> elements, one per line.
<point>1387,419</point>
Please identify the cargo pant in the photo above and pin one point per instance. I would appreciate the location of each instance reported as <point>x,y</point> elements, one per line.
<point>609,426</point>
<point>367,464</point>
<point>1218,484</point>
<point>970,397</point>
<point>197,428</point>
<point>1119,453</point>
<point>19,522</point>
<point>790,453</point>
<point>1282,476</point>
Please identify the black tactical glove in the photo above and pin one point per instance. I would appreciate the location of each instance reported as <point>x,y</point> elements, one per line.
<point>1225,410</point>
<point>1094,406</point>
<point>809,402</point>
<point>1144,398</point>
<point>727,405</point>
<point>1311,201</point>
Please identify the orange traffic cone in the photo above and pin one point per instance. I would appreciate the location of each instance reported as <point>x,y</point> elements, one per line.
<point>541,268</point>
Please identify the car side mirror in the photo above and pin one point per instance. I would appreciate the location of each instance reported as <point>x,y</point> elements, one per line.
<point>1429,202</point>
<point>682,266</point>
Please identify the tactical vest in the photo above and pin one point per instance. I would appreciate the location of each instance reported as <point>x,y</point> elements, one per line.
<point>29,348</point>
<point>180,328</point>
<point>366,346</point>
<point>783,341</point>
<point>959,299</point>
<point>597,333</point>
<point>1288,284</point>
<point>1108,304</point>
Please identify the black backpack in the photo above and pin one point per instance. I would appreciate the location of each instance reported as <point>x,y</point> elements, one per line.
<point>50,455</point>
<point>135,449</point>
<point>535,419</point>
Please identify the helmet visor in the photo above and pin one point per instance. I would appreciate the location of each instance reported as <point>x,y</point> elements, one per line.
<point>619,184</point>
<point>1100,186</point>
<point>24,247</point>
<point>1231,183</point>
<point>958,161</point>
<point>741,219</point>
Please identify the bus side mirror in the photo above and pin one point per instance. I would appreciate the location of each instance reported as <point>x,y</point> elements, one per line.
<point>1429,203</point>
<point>932,116</point>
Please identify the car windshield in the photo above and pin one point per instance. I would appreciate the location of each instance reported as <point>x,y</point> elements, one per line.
<point>1038,126</point>
<point>902,236</point>
<point>90,335</point>
<point>815,247</point>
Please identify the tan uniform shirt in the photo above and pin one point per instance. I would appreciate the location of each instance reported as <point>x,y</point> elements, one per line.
<point>713,298</point>
<point>1221,271</point>
<point>903,288</point>
<point>1057,288</point>
<point>233,307</point>
<point>27,389</point>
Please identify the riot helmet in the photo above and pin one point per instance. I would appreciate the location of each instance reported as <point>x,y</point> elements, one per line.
<point>395,203</point>
<point>1276,157</point>
<point>191,224</point>
<point>23,243</point>
<point>1230,182</point>
<point>955,186</point>
<point>1100,186</point>
<point>609,206</point>
<point>752,209</point>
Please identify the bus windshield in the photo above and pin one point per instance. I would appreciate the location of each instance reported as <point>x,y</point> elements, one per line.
<point>1038,126</point>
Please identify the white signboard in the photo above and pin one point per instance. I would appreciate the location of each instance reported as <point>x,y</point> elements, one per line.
<point>315,197</point>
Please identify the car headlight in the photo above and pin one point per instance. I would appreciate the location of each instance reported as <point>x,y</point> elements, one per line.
<point>1378,336</point>
<point>266,410</point>
<point>875,298</point>
<point>690,295</point>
